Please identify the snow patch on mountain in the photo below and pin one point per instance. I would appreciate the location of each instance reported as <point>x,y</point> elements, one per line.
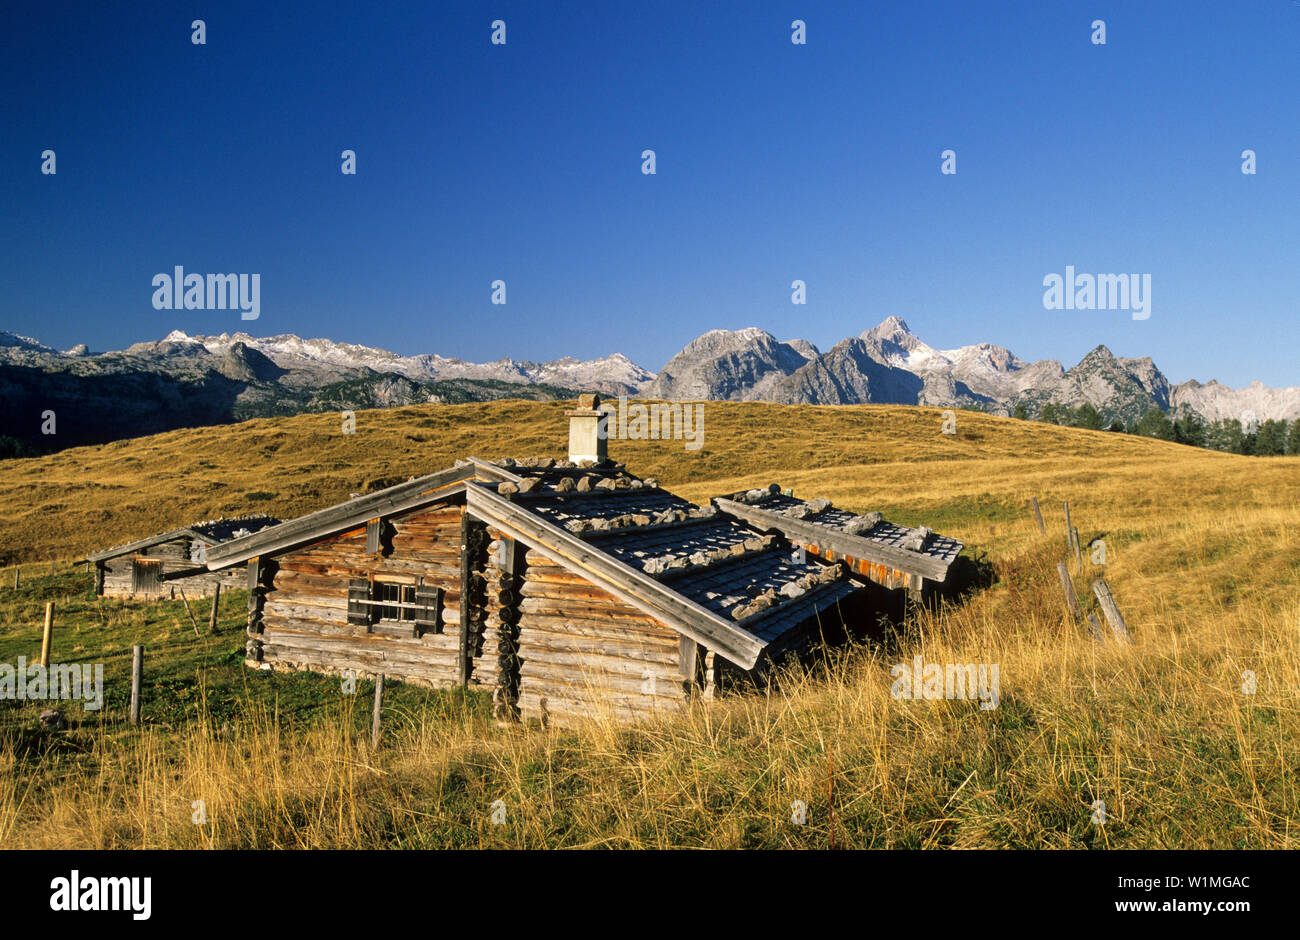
<point>890,364</point>
<point>309,362</point>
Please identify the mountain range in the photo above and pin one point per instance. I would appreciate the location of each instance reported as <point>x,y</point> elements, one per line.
<point>889,364</point>
<point>185,381</point>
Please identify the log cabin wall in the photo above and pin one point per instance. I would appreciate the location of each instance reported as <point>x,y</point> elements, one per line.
<point>119,573</point>
<point>474,597</point>
<point>497,664</point>
<point>583,652</point>
<point>305,617</point>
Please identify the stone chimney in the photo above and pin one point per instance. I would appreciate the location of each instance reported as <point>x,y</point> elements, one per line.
<point>585,441</point>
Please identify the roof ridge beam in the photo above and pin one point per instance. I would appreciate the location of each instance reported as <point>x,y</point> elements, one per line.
<point>842,543</point>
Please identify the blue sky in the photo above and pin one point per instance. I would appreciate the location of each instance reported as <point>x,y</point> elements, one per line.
<point>775,162</point>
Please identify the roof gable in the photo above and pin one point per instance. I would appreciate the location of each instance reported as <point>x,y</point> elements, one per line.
<point>210,533</point>
<point>415,493</point>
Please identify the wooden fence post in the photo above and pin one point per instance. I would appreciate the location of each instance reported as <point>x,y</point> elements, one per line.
<point>1067,588</point>
<point>374,719</point>
<point>1038,514</point>
<point>1094,627</point>
<point>47,637</point>
<point>1107,602</point>
<point>1078,554</point>
<point>17,577</point>
<point>186,602</point>
<point>1067,525</point>
<point>212,618</point>
<point>137,672</point>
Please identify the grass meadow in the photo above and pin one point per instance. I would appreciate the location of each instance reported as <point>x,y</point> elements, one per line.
<point>1202,554</point>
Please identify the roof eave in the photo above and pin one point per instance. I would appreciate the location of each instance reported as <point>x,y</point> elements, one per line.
<point>852,546</point>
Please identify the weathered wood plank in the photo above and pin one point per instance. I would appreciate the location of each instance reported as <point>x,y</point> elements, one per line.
<point>632,648</point>
<point>588,611</point>
<point>621,662</point>
<point>463,665</point>
<point>1038,514</point>
<point>1067,588</point>
<point>612,627</point>
<point>1111,611</point>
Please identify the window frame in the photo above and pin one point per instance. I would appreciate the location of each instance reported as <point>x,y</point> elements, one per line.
<point>368,607</point>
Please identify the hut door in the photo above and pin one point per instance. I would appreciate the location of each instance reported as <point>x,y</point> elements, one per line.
<point>146,576</point>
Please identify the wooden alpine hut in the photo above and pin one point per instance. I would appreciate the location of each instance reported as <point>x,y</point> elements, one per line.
<point>567,586</point>
<point>154,567</point>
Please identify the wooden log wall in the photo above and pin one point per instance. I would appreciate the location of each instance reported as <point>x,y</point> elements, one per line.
<point>305,621</point>
<point>473,563</point>
<point>485,670</point>
<point>259,575</point>
<point>499,664</point>
<point>582,652</point>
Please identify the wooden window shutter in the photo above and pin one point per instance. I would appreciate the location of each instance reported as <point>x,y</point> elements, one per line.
<point>358,601</point>
<point>146,576</point>
<point>372,536</point>
<point>428,615</point>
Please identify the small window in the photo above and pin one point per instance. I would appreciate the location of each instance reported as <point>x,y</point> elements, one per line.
<point>395,601</point>
<point>398,607</point>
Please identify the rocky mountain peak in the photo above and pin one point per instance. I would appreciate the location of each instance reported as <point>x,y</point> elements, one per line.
<point>804,348</point>
<point>242,364</point>
<point>728,364</point>
<point>14,341</point>
<point>892,329</point>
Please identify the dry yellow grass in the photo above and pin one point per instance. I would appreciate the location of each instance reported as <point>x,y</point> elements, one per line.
<point>1202,552</point>
<point>88,497</point>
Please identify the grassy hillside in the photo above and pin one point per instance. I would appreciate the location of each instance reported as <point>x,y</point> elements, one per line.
<point>66,504</point>
<point>1202,553</point>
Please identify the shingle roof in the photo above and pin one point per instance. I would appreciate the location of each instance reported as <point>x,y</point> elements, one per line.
<point>750,586</point>
<point>713,559</point>
<point>865,536</point>
<point>221,530</point>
